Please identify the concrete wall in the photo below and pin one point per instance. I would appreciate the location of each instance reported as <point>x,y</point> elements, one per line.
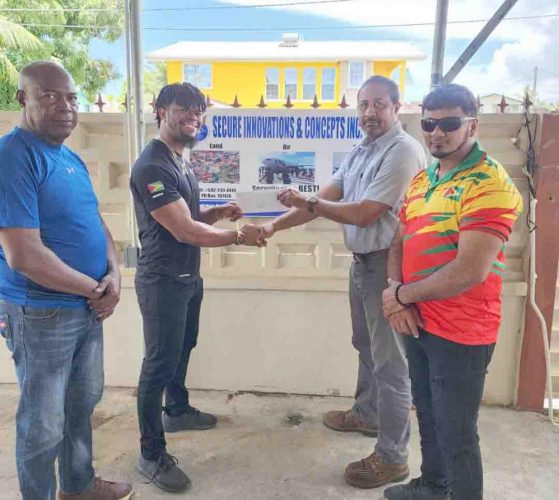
<point>276,319</point>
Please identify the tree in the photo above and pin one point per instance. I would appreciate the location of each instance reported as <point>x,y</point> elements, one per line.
<point>155,78</point>
<point>14,37</point>
<point>65,29</point>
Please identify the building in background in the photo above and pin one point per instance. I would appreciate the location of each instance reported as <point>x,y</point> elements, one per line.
<point>491,104</point>
<point>299,69</point>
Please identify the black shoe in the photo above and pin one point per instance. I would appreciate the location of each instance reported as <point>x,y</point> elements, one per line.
<point>191,420</point>
<point>164,473</point>
<point>417,489</point>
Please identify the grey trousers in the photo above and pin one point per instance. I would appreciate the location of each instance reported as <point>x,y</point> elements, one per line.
<point>383,396</point>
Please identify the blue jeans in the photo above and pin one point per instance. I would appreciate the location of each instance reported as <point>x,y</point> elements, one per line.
<point>58,355</point>
<point>447,382</point>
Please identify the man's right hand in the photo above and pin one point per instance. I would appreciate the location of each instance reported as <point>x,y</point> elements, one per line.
<point>254,235</point>
<point>407,321</point>
<point>96,293</point>
<point>109,290</point>
<point>267,229</point>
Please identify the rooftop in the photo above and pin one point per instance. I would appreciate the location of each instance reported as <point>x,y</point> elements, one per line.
<point>299,50</point>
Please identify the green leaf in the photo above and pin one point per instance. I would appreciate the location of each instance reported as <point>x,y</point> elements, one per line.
<point>7,69</point>
<point>14,36</point>
<point>56,40</point>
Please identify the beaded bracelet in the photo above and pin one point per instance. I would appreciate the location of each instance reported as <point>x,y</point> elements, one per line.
<point>397,297</point>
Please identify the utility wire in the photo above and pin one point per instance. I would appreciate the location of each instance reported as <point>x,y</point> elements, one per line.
<point>403,25</point>
<point>213,7</point>
<point>52,10</point>
<point>294,28</point>
<point>279,4</point>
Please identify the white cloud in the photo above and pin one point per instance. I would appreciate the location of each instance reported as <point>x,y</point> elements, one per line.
<point>524,44</point>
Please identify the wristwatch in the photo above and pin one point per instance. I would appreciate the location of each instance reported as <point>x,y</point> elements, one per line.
<point>240,238</point>
<point>311,202</point>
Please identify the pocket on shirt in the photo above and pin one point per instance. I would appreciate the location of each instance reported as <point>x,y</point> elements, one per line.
<point>6,331</point>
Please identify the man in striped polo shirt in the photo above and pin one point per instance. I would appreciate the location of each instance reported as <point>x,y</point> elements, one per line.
<point>445,277</point>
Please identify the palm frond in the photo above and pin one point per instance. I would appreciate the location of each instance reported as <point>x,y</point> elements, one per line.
<point>7,69</point>
<point>15,36</point>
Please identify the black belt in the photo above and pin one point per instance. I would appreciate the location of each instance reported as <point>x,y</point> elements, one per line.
<point>364,257</point>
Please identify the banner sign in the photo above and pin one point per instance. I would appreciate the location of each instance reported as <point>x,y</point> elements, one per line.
<point>243,150</point>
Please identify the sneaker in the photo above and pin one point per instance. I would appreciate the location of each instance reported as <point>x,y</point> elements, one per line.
<point>372,472</point>
<point>191,420</point>
<point>347,421</point>
<point>164,473</point>
<point>101,490</point>
<point>417,489</point>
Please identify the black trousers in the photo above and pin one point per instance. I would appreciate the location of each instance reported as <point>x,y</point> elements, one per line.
<point>171,314</point>
<point>447,382</point>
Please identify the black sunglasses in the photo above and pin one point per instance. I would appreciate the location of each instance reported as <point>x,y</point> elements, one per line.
<point>449,124</point>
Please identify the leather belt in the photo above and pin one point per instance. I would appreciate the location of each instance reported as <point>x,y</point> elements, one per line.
<point>364,257</point>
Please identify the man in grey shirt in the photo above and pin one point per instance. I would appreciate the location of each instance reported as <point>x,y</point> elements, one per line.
<point>365,195</point>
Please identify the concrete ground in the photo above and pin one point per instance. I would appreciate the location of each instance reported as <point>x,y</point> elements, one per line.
<point>275,447</point>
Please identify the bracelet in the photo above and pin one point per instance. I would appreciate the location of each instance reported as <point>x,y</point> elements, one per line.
<point>397,297</point>
<point>240,238</point>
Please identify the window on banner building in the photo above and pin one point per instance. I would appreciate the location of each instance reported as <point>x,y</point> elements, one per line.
<point>272,83</point>
<point>309,83</point>
<point>199,75</point>
<point>356,74</point>
<point>291,83</point>
<point>328,84</point>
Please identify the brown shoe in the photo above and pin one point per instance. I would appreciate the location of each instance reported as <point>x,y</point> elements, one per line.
<point>372,472</point>
<point>347,421</point>
<point>102,490</point>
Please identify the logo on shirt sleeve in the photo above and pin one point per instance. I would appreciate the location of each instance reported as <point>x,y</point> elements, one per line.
<point>156,189</point>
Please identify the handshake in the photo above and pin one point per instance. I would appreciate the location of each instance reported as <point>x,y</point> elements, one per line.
<point>254,234</point>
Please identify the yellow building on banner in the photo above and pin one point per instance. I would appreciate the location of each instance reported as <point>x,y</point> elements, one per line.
<point>272,71</point>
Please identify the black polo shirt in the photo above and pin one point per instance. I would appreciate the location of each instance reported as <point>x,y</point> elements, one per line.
<point>157,180</point>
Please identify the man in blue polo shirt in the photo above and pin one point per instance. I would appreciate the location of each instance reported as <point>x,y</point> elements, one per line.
<point>59,279</point>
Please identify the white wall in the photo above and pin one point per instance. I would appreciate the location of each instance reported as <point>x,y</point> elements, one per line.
<point>276,319</point>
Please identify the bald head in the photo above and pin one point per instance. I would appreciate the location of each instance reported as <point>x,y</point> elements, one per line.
<point>42,73</point>
<point>48,98</point>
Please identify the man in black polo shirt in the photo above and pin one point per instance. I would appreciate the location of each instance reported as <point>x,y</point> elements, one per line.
<point>172,229</point>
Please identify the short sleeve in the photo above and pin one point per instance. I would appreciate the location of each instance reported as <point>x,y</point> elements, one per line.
<point>398,168</point>
<point>338,178</point>
<point>402,214</point>
<point>19,190</point>
<point>492,207</point>
<point>155,185</point>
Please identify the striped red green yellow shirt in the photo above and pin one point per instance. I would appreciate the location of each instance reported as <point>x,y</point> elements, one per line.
<point>477,195</point>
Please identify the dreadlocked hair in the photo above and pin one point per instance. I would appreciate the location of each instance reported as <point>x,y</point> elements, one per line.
<point>183,94</point>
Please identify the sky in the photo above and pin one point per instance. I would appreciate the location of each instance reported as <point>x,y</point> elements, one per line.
<point>505,64</point>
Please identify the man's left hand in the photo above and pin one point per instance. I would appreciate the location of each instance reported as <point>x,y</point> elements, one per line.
<point>109,286</point>
<point>290,197</point>
<point>407,321</point>
<point>389,303</point>
<point>229,211</point>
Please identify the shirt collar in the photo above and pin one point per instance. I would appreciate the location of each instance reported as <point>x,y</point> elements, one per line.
<point>476,155</point>
<point>384,139</point>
